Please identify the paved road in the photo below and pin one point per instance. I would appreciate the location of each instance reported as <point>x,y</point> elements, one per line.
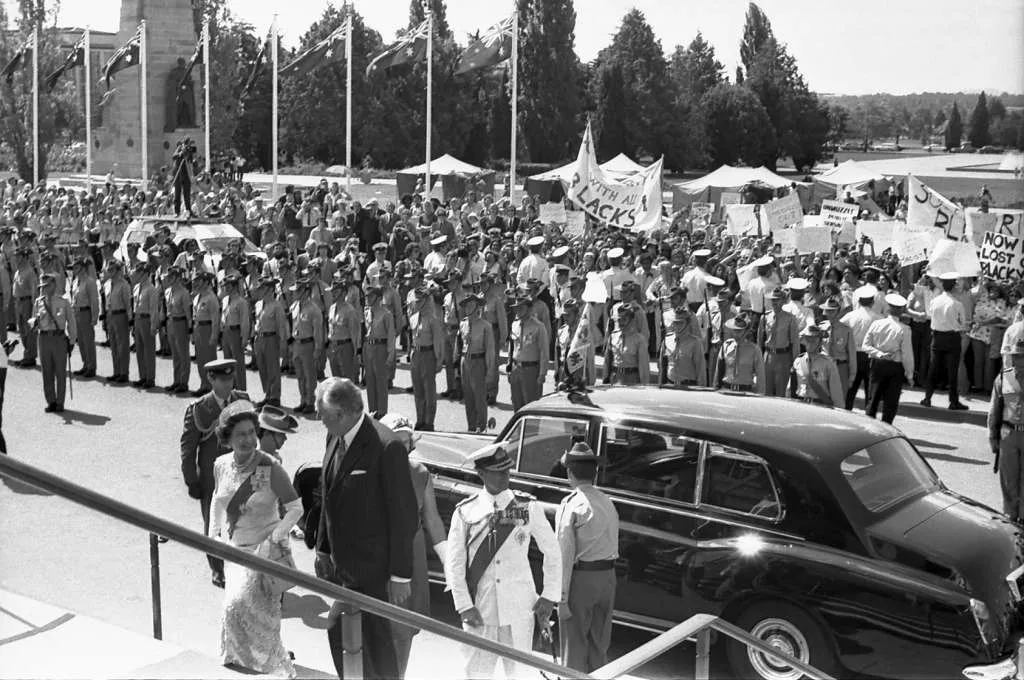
<point>124,443</point>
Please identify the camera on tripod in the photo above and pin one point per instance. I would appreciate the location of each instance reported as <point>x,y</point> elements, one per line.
<point>186,149</point>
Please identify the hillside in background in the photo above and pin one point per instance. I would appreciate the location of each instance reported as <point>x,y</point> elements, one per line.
<point>930,100</point>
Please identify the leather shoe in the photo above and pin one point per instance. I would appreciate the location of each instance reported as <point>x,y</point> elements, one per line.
<point>171,388</point>
<point>273,402</point>
<point>926,402</point>
<point>80,371</point>
<point>957,406</point>
<point>217,580</point>
<point>59,408</point>
<point>147,384</point>
<point>122,379</point>
<point>181,389</point>
<point>89,374</point>
<point>27,363</point>
<point>138,383</point>
<point>299,409</point>
<point>51,408</point>
<point>309,409</point>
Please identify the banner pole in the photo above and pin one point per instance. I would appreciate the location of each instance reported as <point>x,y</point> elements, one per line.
<point>430,88</point>
<point>35,100</point>
<point>88,112</point>
<point>348,99</point>
<point>515,105</point>
<point>145,104</point>
<point>206,91</point>
<point>273,108</point>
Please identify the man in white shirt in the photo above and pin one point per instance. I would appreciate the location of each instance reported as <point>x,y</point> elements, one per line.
<point>803,314</point>
<point>859,320</point>
<point>949,322</point>
<point>534,266</point>
<point>695,280</point>
<point>436,260</point>
<point>889,346</point>
<point>615,275</point>
<point>758,287</point>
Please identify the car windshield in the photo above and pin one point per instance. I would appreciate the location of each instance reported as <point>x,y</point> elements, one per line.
<point>886,473</point>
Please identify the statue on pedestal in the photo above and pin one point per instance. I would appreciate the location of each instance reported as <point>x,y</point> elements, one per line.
<point>180,101</point>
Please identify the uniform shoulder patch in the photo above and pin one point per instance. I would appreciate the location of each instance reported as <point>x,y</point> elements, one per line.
<point>466,500</point>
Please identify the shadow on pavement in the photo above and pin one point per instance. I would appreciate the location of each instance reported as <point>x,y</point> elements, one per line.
<point>93,419</point>
<point>922,444</point>
<point>310,608</point>
<point>952,459</point>
<point>21,488</point>
<point>943,414</point>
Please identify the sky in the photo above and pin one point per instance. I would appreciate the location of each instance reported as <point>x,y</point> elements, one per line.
<point>841,46</point>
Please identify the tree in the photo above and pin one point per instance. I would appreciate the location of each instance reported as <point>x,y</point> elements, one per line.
<point>694,70</point>
<point>738,127</point>
<point>838,121</point>
<point>757,32</point>
<point>440,10</point>
<point>549,104</point>
<point>977,129</point>
<point>996,109</point>
<point>954,128</point>
<point>611,131</point>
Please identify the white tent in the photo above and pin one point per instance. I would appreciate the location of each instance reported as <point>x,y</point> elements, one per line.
<point>849,173</point>
<point>622,165</point>
<point>456,177</point>
<point>445,165</point>
<point>709,188</point>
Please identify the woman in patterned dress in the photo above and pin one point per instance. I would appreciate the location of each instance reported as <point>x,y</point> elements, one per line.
<point>250,488</point>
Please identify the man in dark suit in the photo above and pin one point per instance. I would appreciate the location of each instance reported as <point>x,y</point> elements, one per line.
<point>368,519</point>
<point>200,447</point>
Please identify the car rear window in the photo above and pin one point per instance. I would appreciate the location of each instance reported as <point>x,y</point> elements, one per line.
<point>886,473</point>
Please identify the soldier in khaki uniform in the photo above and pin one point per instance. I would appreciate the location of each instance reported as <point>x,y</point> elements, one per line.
<point>119,319</point>
<point>629,348</point>
<point>839,345</point>
<point>778,335</point>
<point>683,346</point>
<point>344,332</point>
<point>236,326</point>
<point>740,363</point>
<point>494,313</point>
<point>528,359</point>
<point>587,529</point>
<point>1006,432</point>
<point>427,346</point>
<point>270,339</point>
<point>85,301</point>
<point>451,307</point>
<point>476,361</point>
<point>146,302</point>
<point>307,335</point>
<point>178,310</point>
<point>378,350</point>
<point>817,379</point>
<point>205,325</point>
<point>54,321</point>
<point>24,288</point>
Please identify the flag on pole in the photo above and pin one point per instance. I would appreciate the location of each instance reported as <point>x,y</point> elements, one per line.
<point>928,208</point>
<point>257,66</point>
<point>409,48</point>
<point>20,60</point>
<point>581,342</point>
<point>197,58</point>
<point>322,51</point>
<point>75,58</point>
<point>126,56</point>
<point>493,47</point>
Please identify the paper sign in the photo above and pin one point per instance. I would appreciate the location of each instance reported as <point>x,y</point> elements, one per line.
<point>911,246</point>
<point>595,290</point>
<point>836,213</point>
<point>783,212</point>
<point>786,240</point>
<point>575,223</point>
<point>847,234</point>
<point>745,275</point>
<point>1008,222</point>
<point>740,219</point>
<point>552,213</point>
<point>813,240</point>
<point>1002,257</point>
<point>730,198</point>
<point>701,209</point>
<point>880,233</point>
<point>954,256</point>
<point>927,208</point>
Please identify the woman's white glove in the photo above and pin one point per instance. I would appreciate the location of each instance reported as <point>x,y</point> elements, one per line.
<point>442,551</point>
<point>292,513</point>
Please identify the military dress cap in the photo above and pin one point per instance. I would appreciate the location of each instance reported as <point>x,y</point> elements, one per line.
<point>949,276</point>
<point>737,324</point>
<point>580,453</point>
<point>521,301</point>
<point>562,269</point>
<point>380,245</point>
<point>763,261</point>
<point>201,275</point>
<point>723,294</point>
<point>865,292</point>
<point>493,458</point>
<point>439,241</point>
<point>714,280</point>
<point>895,300</point>
<point>300,284</point>
<point>871,268</point>
<point>233,277</point>
<point>1017,349</point>
<point>570,304</point>
<point>702,252</point>
<point>81,262</point>
<point>616,253</point>
<point>535,241</point>
<point>277,420</point>
<point>235,408</point>
<point>472,299</point>
<point>829,305</point>
<point>624,310</point>
<point>797,284</point>
<point>221,367</point>
<point>560,251</point>
<point>174,271</point>
<point>140,268</point>
<point>676,291</point>
<point>811,331</point>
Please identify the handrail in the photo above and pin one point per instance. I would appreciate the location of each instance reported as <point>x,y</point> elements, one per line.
<point>699,625</point>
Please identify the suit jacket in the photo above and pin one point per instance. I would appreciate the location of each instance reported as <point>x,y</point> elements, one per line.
<point>369,514</point>
<point>199,445</point>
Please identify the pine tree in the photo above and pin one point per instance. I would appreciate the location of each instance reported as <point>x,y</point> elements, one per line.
<point>417,14</point>
<point>738,127</point>
<point>757,31</point>
<point>954,128</point>
<point>611,131</point>
<point>977,129</point>
<point>695,69</point>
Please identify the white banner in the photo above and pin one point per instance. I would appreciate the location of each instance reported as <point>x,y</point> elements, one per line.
<point>575,223</point>
<point>730,198</point>
<point>740,219</point>
<point>702,210</point>
<point>1006,222</point>
<point>783,212</point>
<point>552,213</point>
<point>581,342</point>
<point>954,256</point>
<point>834,214</point>
<point>911,246</point>
<point>785,239</point>
<point>880,233</point>
<point>634,203</point>
<point>927,208</point>
<point>847,234</point>
<point>1002,256</point>
<point>813,240</point>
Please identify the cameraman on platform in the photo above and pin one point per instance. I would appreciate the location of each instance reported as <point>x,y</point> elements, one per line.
<point>184,169</point>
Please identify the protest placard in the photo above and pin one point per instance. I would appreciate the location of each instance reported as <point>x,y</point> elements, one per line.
<point>836,213</point>
<point>783,212</point>
<point>575,223</point>
<point>730,198</point>
<point>813,240</point>
<point>847,234</point>
<point>1007,222</point>
<point>1002,256</point>
<point>740,219</point>
<point>954,256</point>
<point>786,240</point>
<point>927,208</point>
<point>595,289</point>
<point>701,210</point>
<point>911,246</point>
<point>552,213</point>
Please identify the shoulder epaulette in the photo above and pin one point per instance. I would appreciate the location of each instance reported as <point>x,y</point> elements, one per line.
<point>467,500</point>
<point>523,496</point>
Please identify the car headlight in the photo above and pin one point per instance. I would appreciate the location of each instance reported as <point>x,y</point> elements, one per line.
<point>981,618</point>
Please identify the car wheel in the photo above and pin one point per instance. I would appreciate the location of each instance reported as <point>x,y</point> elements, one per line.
<point>788,629</point>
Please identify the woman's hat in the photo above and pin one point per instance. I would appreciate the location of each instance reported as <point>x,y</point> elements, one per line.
<point>276,420</point>
<point>235,408</point>
<point>396,423</point>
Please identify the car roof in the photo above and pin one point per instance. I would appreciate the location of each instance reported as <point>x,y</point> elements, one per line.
<point>787,425</point>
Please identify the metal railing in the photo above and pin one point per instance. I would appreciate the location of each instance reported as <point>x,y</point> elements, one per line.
<point>698,626</point>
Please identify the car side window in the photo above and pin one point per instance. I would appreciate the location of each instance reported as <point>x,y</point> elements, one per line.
<point>741,482</point>
<point>512,439</point>
<point>544,440</point>
<point>650,462</point>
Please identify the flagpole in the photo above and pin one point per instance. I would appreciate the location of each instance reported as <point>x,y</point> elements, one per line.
<point>35,100</point>
<point>348,99</point>
<point>88,113</point>
<point>145,104</point>
<point>515,104</point>
<point>430,86</point>
<point>273,110</point>
<point>206,91</point>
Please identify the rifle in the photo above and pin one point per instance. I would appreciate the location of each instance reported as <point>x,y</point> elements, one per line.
<point>995,463</point>
<point>707,343</point>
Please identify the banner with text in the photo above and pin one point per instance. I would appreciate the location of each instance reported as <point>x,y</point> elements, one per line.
<point>1002,256</point>
<point>702,210</point>
<point>575,223</point>
<point>927,208</point>
<point>730,198</point>
<point>783,212</point>
<point>634,203</point>
<point>1006,222</point>
<point>552,213</point>
<point>834,214</point>
<point>954,256</point>
<point>740,219</point>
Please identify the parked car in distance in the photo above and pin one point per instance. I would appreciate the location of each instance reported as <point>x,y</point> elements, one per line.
<point>967,148</point>
<point>823,533</point>
<point>990,148</point>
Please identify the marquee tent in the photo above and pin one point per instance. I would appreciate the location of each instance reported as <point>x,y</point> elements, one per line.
<point>850,173</point>
<point>457,177</point>
<point>710,187</point>
<point>622,166</point>
<point>550,185</point>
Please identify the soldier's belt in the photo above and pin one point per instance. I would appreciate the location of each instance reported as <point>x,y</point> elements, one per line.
<point>628,369</point>
<point>527,364</point>
<point>1015,427</point>
<point>780,350</point>
<point>84,309</point>
<point>304,341</point>
<point>478,355</point>
<point>594,565</point>
<point>424,348</point>
<point>377,341</point>
<point>343,341</point>
<point>53,332</point>
<point>204,323</point>
<point>179,318</point>
<point>738,387</point>
<point>236,327</point>
<point>24,297</point>
<point>144,316</point>
<point>119,311</point>
<point>268,334</point>
<point>842,361</point>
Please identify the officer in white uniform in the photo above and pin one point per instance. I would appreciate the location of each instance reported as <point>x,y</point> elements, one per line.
<point>487,567</point>
<point>1006,432</point>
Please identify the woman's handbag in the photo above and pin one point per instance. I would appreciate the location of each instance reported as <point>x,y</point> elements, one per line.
<point>280,552</point>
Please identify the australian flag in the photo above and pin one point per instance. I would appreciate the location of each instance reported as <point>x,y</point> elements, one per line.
<point>411,47</point>
<point>75,58</point>
<point>493,47</point>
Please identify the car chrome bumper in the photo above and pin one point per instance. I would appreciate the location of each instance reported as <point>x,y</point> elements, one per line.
<point>1007,669</point>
